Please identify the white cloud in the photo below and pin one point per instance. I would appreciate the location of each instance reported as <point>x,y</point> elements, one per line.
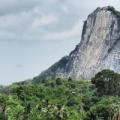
<point>75,31</point>
<point>65,9</point>
<point>44,20</point>
<point>16,6</point>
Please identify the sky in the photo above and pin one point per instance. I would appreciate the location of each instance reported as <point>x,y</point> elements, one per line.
<point>36,33</point>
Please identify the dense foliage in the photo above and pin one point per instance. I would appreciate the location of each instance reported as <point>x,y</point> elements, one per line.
<point>107,83</point>
<point>60,100</point>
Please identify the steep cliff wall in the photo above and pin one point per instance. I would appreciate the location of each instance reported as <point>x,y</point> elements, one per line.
<point>99,48</point>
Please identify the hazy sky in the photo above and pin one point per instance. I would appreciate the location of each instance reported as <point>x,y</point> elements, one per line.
<point>36,33</point>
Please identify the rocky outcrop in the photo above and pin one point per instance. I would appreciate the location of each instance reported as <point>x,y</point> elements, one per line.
<point>99,48</point>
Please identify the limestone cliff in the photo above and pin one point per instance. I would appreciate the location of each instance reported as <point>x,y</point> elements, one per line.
<point>99,48</point>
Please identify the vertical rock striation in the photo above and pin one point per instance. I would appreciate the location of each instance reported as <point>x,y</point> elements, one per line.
<point>99,48</point>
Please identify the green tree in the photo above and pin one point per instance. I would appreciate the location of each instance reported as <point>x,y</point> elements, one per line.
<point>107,82</point>
<point>3,106</point>
<point>107,108</point>
<point>14,109</point>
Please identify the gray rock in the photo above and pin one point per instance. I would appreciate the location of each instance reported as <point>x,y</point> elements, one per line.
<point>99,48</point>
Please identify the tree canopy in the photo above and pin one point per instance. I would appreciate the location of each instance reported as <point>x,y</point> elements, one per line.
<point>63,99</point>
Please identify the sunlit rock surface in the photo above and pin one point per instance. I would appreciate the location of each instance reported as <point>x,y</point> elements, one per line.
<point>99,48</point>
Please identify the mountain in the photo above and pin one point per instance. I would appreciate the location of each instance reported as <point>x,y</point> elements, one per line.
<point>98,49</point>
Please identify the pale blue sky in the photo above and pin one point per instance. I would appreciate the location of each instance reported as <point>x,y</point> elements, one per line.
<point>36,33</point>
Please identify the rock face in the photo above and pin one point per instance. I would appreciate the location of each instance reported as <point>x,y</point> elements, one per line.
<point>99,48</point>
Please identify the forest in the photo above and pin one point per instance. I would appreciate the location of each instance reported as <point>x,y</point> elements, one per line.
<point>58,99</point>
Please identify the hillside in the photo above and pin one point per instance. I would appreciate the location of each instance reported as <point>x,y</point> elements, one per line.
<point>98,49</point>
